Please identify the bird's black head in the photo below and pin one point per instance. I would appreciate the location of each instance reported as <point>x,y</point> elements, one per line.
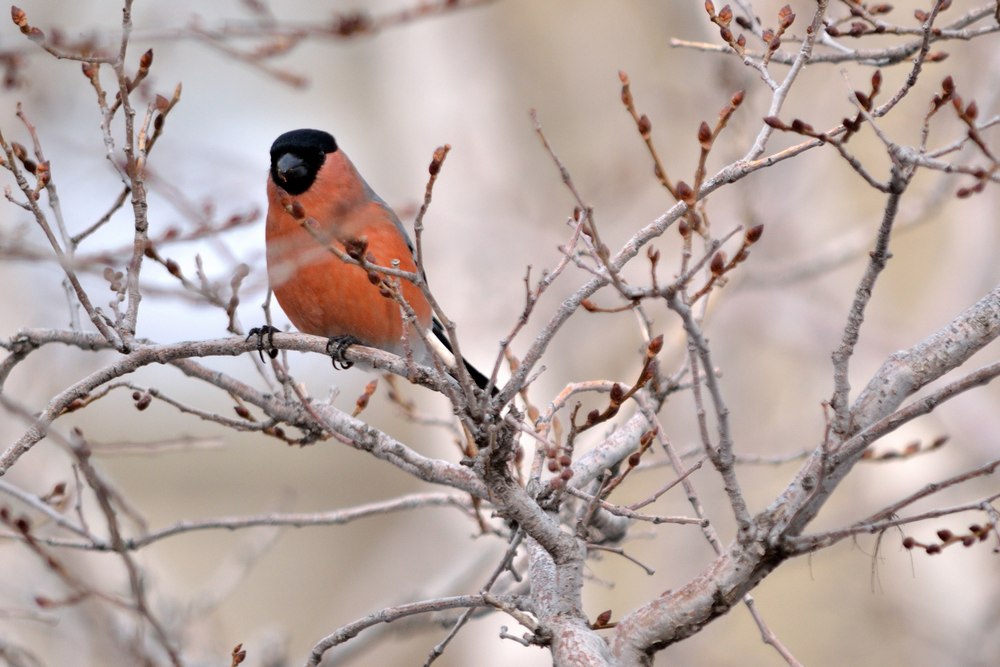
<point>296,157</point>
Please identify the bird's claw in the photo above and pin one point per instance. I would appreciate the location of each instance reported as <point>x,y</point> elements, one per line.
<point>260,332</point>
<point>336,347</point>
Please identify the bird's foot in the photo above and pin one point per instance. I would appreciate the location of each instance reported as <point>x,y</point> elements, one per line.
<point>336,347</point>
<point>261,332</point>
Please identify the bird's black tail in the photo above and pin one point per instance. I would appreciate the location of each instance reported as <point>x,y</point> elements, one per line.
<point>477,377</point>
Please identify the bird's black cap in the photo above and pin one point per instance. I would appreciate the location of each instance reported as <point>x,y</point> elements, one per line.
<point>297,156</point>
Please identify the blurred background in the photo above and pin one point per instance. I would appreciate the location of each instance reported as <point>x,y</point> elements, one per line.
<point>469,79</point>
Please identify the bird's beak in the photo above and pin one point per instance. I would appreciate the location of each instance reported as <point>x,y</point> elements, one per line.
<point>291,166</point>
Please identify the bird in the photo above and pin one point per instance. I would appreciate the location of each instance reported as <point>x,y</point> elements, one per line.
<point>313,183</point>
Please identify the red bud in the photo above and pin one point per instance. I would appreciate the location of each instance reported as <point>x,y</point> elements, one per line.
<point>705,135</point>
<point>718,263</point>
<point>645,126</point>
<point>19,17</point>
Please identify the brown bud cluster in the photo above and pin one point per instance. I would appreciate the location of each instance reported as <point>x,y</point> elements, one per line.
<point>626,91</point>
<point>19,17</point>
<point>923,16</point>
<point>753,234</point>
<point>559,462</point>
<point>965,192</point>
<point>718,264</point>
<point>969,113</point>
<point>685,193</point>
<point>786,17</point>
<point>57,493</point>
<point>21,21</point>
<point>724,19</point>
<point>684,228</point>
<point>977,533</point>
<point>440,153</point>
<point>734,102</point>
<point>911,449</point>
<point>142,399</point>
<point>21,524</point>
<point>645,126</point>
<point>21,153</point>
<point>801,127</point>
<point>351,23</point>
<point>775,122</point>
<point>654,346</point>
<point>602,619</point>
<point>114,278</point>
<point>356,248</point>
<point>705,136</point>
<point>865,100</point>
<point>43,175</point>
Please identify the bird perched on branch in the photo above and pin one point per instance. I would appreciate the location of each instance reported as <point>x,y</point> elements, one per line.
<point>322,215</point>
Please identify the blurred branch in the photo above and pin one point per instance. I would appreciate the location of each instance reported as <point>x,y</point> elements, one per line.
<point>271,37</point>
<point>275,519</point>
<point>391,614</point>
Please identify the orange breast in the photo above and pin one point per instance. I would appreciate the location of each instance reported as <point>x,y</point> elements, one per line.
<point>325,296</point>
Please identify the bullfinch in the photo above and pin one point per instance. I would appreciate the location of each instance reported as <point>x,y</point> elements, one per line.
<point>320,292</point>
